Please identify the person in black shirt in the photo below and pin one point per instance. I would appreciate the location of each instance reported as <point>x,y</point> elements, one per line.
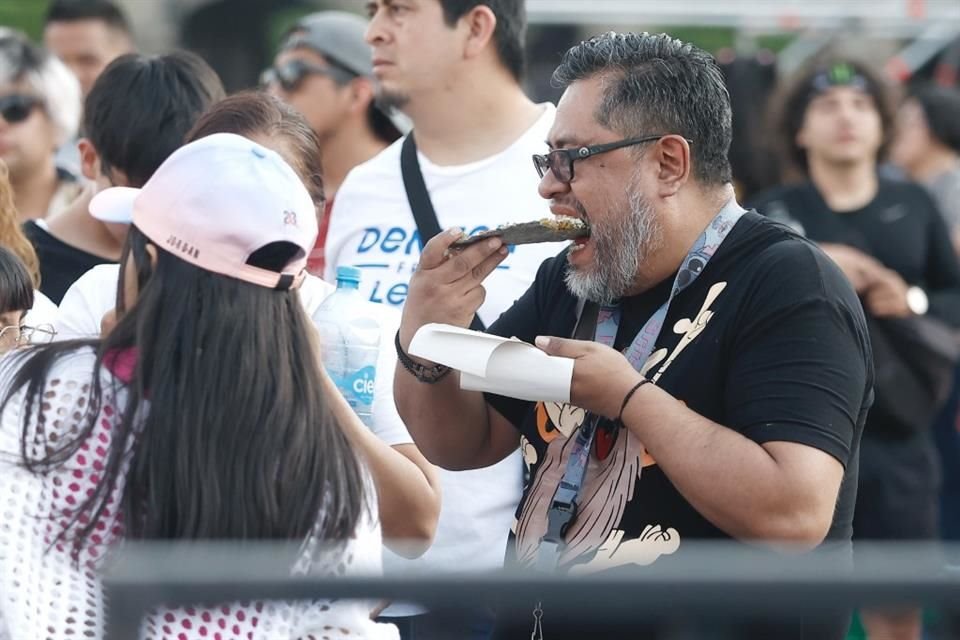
<point>60,263</point>
<point>744,421</point>
<point>891,242</point>
<point>138,112</point>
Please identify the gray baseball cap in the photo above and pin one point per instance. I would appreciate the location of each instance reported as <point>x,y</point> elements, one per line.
<point>339,37</point>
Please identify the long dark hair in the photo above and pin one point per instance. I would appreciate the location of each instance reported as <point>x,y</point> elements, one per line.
<point>238,441</point>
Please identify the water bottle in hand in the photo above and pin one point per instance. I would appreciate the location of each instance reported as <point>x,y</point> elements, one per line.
<point>350,341</point>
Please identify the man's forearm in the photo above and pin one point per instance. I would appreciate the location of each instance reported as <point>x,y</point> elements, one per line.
<point>749,491</point>
<point>449,425</point>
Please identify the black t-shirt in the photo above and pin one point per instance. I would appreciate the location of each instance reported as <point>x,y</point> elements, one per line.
<point>60,264</point>
<point>784,356</point>
<point>901,227</point>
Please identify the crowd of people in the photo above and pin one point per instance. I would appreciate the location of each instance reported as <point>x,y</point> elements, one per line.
<point>780,371</point>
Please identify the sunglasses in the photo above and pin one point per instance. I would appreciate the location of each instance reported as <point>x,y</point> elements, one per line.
<point>17,107</point>
<point>560,162</point>
<point>292,74</point>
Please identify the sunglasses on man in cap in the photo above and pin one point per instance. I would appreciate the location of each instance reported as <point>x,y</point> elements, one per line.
<point>289,76</point>
<point>17,107</point>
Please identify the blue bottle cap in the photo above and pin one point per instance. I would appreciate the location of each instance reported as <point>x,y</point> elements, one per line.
<point>348,274</point>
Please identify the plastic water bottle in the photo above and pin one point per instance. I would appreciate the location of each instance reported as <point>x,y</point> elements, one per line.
<point>350,341</point>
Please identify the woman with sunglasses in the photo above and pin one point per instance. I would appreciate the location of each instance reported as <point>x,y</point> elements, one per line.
<point>195,418</point>
<point>39,112</point>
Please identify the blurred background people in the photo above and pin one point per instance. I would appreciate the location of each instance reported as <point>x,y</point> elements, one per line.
<point>926,145</point>
<point>39,111</point>
<point>324,70</point>
<point>42,312</point>
<point>927,148</point>
<point>834,125</point>
<point>136,115</point>
<point>86,35</point>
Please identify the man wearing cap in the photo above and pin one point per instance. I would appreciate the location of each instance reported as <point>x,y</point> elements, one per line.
<point>324,70</point>
<point>892,244</point>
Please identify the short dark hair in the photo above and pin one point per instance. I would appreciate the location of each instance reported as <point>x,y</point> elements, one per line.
<point>510,32</point>
<point>659,85</point>
<point>76,10</point>
<point>789,108</point>
<point>140,108</point>
<point>16,285</point>
<point>941,108</point>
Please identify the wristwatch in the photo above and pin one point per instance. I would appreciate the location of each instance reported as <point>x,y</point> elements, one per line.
<point>917,300</point>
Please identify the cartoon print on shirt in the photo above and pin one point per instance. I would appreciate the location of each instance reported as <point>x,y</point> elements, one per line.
<point>690,329</point>
<point>617,552</point>
<point>608,483</point>
<point>529,452</point>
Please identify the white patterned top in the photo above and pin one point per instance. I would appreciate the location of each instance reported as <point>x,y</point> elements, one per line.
<point>46,595</point>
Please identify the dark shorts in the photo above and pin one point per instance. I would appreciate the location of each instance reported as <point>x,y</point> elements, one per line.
<point>898,493</point>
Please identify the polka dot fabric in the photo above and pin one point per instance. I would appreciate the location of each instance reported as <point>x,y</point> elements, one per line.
<point>45,595</point>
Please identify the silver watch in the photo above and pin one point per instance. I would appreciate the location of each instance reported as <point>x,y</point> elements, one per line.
<point>917,300</point>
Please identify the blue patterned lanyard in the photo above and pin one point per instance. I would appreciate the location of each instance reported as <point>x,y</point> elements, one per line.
<point>563,508</point>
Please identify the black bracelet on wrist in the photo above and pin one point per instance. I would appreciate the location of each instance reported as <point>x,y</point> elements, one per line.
<point>627,397</point>
<point>429,375</point>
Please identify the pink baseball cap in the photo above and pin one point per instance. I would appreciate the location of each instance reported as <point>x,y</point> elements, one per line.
<point>216,201</point>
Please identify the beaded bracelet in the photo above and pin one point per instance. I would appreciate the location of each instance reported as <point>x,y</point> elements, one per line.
<point>429,375</point>
<point>627,397</point>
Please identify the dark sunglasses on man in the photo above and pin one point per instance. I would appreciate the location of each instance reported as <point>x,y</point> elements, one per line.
<point>292,74</point>
<point>560,161</point>
<point>17,107</point>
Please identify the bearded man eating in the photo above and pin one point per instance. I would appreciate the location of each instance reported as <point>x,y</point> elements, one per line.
<point>722,366</point>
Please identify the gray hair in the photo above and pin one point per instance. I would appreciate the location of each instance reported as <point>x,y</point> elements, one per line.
<point>23,61</point>
<point>658,84</point>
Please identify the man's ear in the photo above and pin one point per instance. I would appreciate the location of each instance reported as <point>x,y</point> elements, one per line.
<point>672,154</point>
<point>89,159</point>
<point>361,95</point>
<point>481,24</point>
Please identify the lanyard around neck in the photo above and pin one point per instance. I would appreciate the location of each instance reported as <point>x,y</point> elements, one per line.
<point>563,508</point>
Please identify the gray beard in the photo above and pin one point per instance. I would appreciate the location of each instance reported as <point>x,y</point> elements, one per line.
<point>619,251</point>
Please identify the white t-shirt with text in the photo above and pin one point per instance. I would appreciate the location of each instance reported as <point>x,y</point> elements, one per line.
<point>372,228</point>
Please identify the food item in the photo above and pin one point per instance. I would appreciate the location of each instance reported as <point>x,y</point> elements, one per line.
<point>546,230</point>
